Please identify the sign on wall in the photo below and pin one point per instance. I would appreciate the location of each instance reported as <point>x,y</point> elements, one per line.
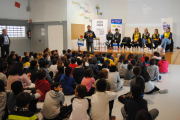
<point>100,28</point>
<point>116,23</point>
<point>166,22</point>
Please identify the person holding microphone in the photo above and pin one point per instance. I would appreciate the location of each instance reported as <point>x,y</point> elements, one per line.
<point>89,36</point>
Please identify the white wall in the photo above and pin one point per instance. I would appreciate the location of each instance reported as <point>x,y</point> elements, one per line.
<point>73,11</point>
<point>48,10</point>
<point>143,14</point>
<point>9,11</point>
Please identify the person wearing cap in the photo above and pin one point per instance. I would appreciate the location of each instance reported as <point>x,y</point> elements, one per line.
<point>89,36</point>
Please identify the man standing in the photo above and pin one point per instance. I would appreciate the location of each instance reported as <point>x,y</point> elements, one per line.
<point>89,35</point>
<point>4,43</point>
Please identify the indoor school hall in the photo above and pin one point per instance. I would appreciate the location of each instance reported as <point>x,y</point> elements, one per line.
<point>89,60</point>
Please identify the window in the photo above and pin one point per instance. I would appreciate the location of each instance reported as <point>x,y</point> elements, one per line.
<point>1,28</point>
<point>14,31</point>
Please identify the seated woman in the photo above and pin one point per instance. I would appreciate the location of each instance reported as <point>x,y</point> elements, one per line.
<point>145,39</point>
<point>136,38</point>
<point>117,38</point>
<point>167,38</point>
<point>156,38</point>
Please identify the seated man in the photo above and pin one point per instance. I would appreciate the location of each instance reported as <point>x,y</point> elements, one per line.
<point>117,38</point>
<point>109,38</point>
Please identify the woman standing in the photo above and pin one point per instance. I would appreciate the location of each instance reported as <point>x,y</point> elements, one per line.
<point>136,38</point>
<point>167,38</point>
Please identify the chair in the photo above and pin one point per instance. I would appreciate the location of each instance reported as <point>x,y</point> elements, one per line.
<point>170,46</point>
<point>126,42</point>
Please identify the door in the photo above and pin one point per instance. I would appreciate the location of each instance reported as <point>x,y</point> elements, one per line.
<point>38,39</point>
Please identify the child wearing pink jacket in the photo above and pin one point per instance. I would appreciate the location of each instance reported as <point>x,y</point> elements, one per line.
<point>163,65</point>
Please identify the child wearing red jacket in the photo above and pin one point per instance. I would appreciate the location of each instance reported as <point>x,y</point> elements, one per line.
<point>42,84</point>
<point>143,57</point>
<point>163,65</point>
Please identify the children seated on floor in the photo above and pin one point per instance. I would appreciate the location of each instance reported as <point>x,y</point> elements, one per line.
<point>67,82</point>
<point>80,105</point>
<point>3,98</point>
<point>163,65</point>
<point>123,68</point>
<point>146,62</point>
<point>21,111</point>
<point>42,84</point>
<point>128,75</point>
<point>89,81</point>
<point>136,103</point>
<point>53,107</point>
<point>153,71</point>
<point>149,86</point>
<point>114,79</point>
<point>101,107</point>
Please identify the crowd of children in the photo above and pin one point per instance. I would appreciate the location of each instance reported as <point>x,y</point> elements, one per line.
<point>83,74</point>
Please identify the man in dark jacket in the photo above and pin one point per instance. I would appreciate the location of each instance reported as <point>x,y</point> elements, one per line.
<point>109,38</point>
<point>89,35</point>
<point>4,42</point>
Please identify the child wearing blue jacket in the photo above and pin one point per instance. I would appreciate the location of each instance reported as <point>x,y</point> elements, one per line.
<point>67,82</point>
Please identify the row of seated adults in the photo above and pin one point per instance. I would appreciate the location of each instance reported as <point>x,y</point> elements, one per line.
<point>146,40</point>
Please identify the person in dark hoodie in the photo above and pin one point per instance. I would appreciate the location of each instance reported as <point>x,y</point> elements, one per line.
<point>17,88</point>
<point>53,108</point>
<point>67,81</point>
<point>109,38</point>
<point>42,84</point>
<point>117,38</point>
<point>32,69</point>
<point>95,68</point>
<point>59,73</point>
<point>89,36</point>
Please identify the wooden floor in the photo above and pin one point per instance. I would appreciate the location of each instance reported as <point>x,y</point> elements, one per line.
<point>172,57</point>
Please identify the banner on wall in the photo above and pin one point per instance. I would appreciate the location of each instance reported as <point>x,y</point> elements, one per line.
<point>100,28</point>
<point>166,22</point>
<point>116,23</point>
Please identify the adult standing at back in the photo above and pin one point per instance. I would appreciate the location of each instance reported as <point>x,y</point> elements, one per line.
<point>89,35</point>
<point>4,42</point>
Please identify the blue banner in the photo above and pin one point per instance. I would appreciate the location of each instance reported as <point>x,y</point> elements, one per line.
<point>80,42</point>
<point>116,21</point>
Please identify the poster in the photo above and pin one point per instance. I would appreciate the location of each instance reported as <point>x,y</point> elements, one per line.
<point>116,23</point>
<point>100,28</point>
<point>80,42</point>
<point>166,22</point>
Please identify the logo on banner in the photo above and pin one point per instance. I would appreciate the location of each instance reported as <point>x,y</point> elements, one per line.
<point>116,21</point>
<point>100,23</point>
<point>165,25</point>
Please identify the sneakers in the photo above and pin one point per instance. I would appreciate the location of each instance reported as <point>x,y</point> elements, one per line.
<point>163,91</point>
<point>150,51</point>
<point>142,49</point>
<point>163,51</point>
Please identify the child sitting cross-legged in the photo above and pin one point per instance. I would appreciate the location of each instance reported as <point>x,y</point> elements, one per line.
<point>100,101</point>
<point>149,86</point>
<point>53,108</point>
<point>128,75</point>
<point>67,81</point>
<point>21,111</point>
<point>80,105</point>
<point>136,103</point>
<point>41,83</point>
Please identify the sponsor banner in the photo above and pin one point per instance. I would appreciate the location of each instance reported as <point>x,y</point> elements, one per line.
<point>116,23</point>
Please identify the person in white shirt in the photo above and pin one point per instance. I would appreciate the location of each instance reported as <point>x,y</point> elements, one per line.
<point>114,79</point>
<point>80,105</point>
<point>123,68</point>
<point>100,101</point>
<point>53,67</point>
